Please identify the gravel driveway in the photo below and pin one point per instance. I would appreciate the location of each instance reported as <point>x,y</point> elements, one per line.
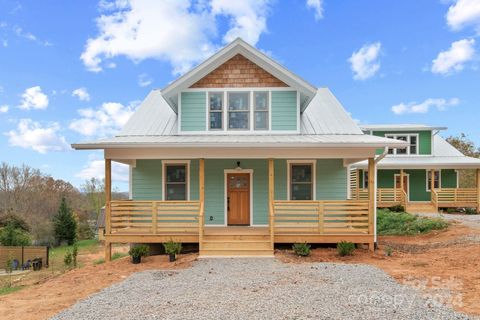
<point>259,289</point>
<point>469,220</point>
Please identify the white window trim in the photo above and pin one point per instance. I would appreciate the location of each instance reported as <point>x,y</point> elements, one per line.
<point>314,176</point>
<point>268,111</point>
<point>251,128</point>
<point>408,183</point>
<point>173,162</point>
<point>408,135</point>
<point>225,182</point>
<point>249,99</point>
<point>427,185</point>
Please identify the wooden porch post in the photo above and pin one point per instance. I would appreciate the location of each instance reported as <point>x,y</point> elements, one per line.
<point>402,200</point>
<point>201,197</point>
<point>478,190</point>
<point>371,201</point>
<point>271,198</point>
<point>108,199</point>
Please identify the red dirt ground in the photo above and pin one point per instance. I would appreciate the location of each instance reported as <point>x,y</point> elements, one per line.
<point>438,254</point>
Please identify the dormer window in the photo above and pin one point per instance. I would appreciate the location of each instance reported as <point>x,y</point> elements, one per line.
<point>238,111</point>
<point>216,110</point>
<point>410,138</point>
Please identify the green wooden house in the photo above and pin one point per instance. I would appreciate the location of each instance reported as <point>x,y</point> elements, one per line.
<point>239,154</point>
<point>407,176</point>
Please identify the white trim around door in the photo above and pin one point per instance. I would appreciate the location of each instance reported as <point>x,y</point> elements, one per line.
<point>408,183</point>
<point>225,174</point>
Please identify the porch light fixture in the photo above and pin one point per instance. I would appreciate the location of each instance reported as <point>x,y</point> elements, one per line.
<point>238,166</point>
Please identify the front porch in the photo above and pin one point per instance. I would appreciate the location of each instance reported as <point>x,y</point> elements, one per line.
<point>286,221</point>
<point>438,196</point>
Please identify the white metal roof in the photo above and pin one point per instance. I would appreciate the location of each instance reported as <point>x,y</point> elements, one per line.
<point>400,127</point>
<point>259,141</point>
<point>325,115</point>
<point>445,156</point>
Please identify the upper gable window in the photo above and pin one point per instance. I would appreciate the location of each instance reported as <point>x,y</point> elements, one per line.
<point>410,138</point>
<point>239,110</point>
<point>261,109</point>
<point>215,110</point>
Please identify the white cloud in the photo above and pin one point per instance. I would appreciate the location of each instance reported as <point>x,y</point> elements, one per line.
<point>317,7</point>
<point>4,108</point>
<point>34,98</point>
<point>82,94</point>
<point>30,134</point>
<point>177,31</point>
<point>424,107</point>
<point>364,62</point>
<point>95,168</point>
<point>29,36</point>
<point>464,13</point>
<point>454,59</point>
<point>144,80</point>
<point>106,120</point>
<point>248,18</point>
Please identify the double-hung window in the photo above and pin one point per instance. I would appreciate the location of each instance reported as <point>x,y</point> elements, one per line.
<point>176,184</point>
<point>216,110</point>
<point>261,110</point>
<point>239,110</point>
<point>436,179</point>
<point>365,179</point>
<point>301,181</point>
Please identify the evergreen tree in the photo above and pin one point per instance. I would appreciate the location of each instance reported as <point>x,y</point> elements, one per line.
<point>64,224</point>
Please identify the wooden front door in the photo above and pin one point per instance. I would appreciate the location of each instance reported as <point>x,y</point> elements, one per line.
<point>238,199</point>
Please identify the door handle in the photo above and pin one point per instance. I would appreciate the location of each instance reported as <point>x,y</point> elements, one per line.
<point>228,203</point>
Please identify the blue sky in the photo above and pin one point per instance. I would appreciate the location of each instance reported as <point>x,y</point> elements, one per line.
<point>75,70</point>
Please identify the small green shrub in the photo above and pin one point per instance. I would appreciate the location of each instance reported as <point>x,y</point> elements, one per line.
<point>301,249</point>
<point>10,235</point>
<point>172,247</point>
<point>345,248</point>
<point>397,208</point>
<point>99,261</point>
<point>451,210</point>
<point>68,259</point>
<point>139,251</point>
<point>388,251</point>
<point>470,211</point>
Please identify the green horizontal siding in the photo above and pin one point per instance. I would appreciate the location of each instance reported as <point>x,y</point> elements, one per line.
<point>193,111</point>
<point>284,110</point>
<point>331,180</point>
<point>424,138</point>
<point>147,180</point>
<point>417,181</point>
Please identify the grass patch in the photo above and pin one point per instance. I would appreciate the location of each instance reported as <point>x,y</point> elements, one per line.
<point>6,290</point>
<point>98,261</point>
<point>402,223</point>
<point>118,255</point>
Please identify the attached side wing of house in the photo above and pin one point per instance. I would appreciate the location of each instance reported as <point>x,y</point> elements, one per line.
<point>237,155</point>
<point>407,176</point>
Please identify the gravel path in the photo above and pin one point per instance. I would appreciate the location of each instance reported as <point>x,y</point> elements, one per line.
<point>259,289</point>
<point>469,220</point>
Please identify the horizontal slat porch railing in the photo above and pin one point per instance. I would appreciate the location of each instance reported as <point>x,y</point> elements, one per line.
<point>321,217</point>
<point>385,195</point>
<point>456,195</point>
<point>154,217</point>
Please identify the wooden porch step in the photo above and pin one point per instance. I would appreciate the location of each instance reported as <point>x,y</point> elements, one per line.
<point>236,237</point>
<point>236,245</point>
<point>236,253</point>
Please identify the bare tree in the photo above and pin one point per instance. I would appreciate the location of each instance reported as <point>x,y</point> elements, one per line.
<point>467,147</point>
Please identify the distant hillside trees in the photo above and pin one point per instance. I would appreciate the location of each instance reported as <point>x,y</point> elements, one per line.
<point>467,178</point>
